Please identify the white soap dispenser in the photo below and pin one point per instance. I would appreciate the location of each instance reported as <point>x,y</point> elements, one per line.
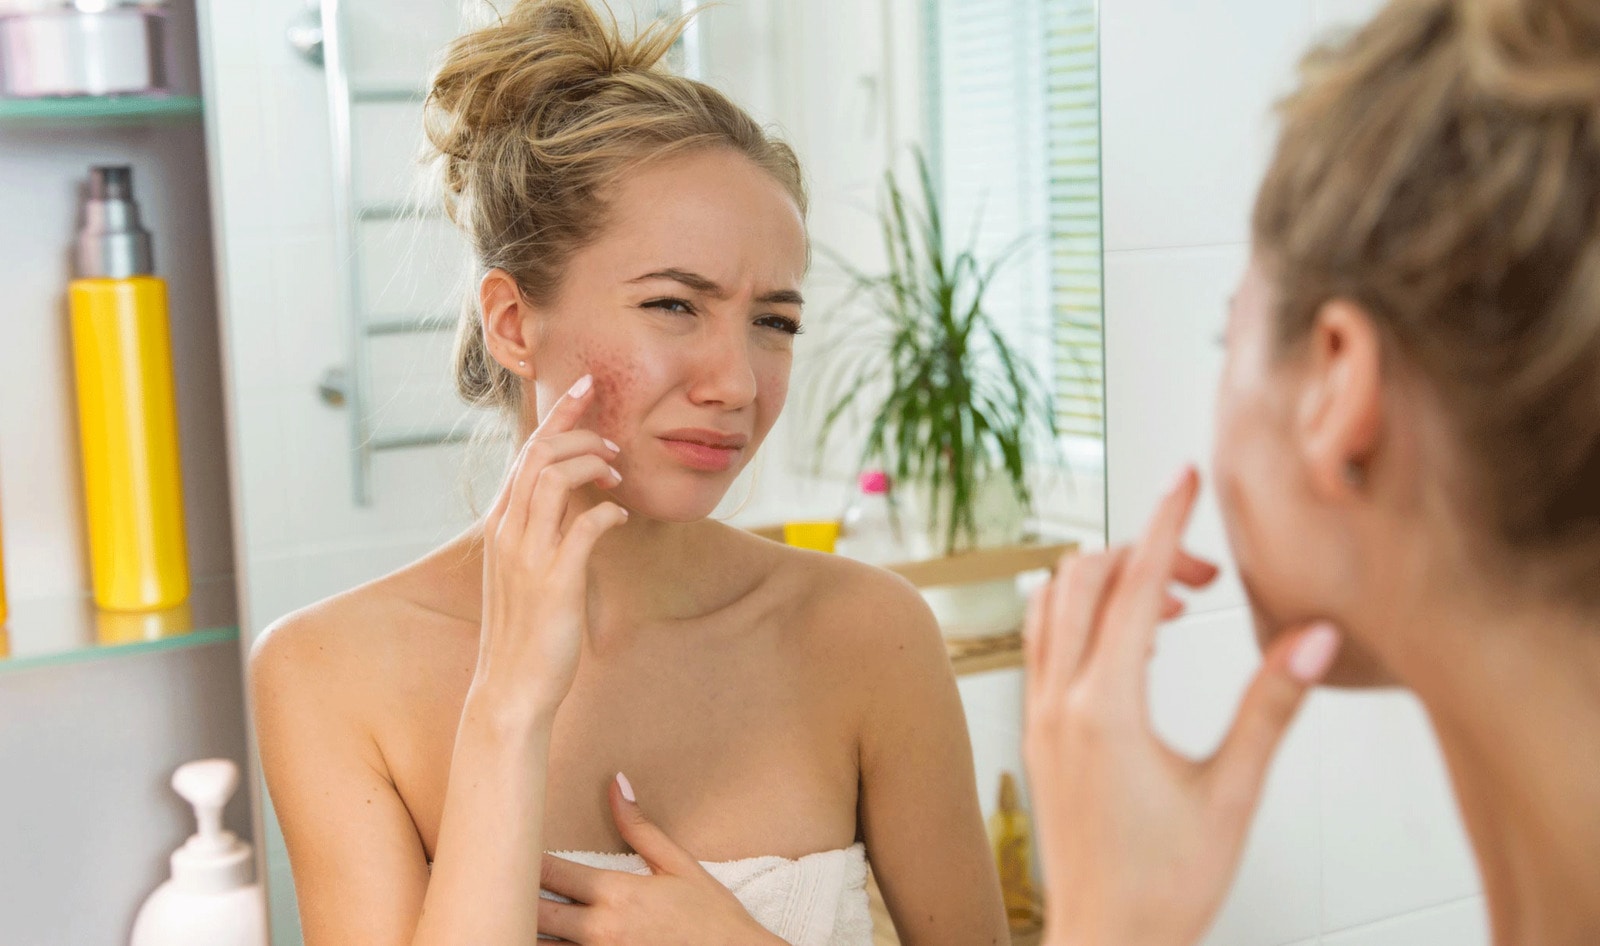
<point>210,900</point>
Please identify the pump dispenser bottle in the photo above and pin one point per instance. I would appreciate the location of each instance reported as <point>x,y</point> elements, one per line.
<point>210,900</point>
<point>127,408</point>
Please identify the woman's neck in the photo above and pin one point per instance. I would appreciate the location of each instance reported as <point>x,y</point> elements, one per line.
<point>644,571</point>
<point>1516,706</point>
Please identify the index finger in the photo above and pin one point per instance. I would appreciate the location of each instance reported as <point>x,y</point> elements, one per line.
<point>1128,626</point>
<point>568,408</point>
<point>577,882</point>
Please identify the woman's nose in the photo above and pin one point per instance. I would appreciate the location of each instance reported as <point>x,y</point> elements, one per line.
<point>722,371</point>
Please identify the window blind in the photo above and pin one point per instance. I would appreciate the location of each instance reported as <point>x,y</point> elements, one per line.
<point>1015,123</point>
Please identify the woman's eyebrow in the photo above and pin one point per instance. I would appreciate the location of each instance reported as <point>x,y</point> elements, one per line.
<point>709,287</point>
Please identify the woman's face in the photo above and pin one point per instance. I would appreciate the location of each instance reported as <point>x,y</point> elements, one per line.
<point>1301,547</point>
<point>685,312</point>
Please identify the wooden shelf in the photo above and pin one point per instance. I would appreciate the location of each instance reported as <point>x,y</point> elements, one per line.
<point>982,654</point>
<point>98,109</point>
<point>983,564</point>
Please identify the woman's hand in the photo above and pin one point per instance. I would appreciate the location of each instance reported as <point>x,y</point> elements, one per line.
<point>678,904</point>
<point>1139,843</point>
<point>535,585</point>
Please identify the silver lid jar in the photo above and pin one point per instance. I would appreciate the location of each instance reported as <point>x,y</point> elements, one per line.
<point>81,47</point>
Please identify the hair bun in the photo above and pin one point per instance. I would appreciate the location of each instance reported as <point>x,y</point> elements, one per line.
<point>1534,53</point>
<point>533,67</point>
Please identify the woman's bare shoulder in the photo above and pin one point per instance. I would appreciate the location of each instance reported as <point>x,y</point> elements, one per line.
<point>852,610</point>
<point>357,640</point>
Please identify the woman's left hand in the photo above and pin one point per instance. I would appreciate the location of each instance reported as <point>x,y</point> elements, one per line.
<point>679,902</point>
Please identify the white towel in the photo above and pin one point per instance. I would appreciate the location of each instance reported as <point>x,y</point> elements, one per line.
<point>817,900</point>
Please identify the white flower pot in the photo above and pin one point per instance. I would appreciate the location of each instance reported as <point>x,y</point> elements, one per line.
<point>977,609</point>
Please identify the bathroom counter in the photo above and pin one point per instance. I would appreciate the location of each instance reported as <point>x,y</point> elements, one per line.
<point>43,632</point>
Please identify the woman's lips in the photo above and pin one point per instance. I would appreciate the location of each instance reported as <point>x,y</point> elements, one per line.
<point>701,456</point>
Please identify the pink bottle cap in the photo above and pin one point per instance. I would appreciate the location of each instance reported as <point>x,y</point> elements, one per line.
<point>874,482</point>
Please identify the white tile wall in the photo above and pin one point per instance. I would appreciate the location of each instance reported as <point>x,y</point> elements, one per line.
<point>1357,842</point>
<point>1165,310</point>
<point>1185,85</point>
<point>1337,15</point>
<point>1460,923</point>
<point>1391,835</point>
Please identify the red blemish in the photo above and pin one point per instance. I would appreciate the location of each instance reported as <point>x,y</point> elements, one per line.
<point>616,379</point>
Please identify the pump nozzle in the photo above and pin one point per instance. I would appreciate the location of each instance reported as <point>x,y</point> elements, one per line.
<point>212,857</point>
<point>207,785</point>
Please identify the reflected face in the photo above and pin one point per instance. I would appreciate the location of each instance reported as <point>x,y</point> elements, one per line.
<point>1293,549</point>
<point>685,310</point>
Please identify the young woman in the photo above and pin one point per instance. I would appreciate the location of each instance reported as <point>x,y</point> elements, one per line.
<point>1408,460</point>
<point>595,647</point>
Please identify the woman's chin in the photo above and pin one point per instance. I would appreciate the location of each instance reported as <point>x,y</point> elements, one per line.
<point>691,503</point>
<point>1356,667</point>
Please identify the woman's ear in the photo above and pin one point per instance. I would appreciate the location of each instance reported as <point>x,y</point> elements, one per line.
<point>507,328</point>
<point>1341,408</point>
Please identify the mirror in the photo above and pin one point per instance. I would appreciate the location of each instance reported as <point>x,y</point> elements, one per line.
<point>342,282</point>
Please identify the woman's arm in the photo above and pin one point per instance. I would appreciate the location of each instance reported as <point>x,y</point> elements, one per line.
<point>358,864</point>
<point>919,809</point>
<point>360,870</point>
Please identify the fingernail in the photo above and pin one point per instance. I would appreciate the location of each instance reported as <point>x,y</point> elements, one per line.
<point>581,386</point>
<point>613,447</point>
<point>1314,654</point>
<point>626,786</point>
<point>614,474</point>
<point>1180,479</point>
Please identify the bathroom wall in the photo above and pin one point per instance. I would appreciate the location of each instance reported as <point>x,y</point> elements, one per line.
<point>87,815</point>
<point>1358,842</point>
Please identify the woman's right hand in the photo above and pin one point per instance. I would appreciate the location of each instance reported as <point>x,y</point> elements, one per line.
<point>1139,842</point>
<point>535,585</point>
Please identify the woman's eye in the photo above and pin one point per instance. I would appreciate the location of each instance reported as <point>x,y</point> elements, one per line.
<point>781,323</point>
<point>668,304</point>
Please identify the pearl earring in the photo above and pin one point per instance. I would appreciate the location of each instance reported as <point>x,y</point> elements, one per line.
<point>522,364</point>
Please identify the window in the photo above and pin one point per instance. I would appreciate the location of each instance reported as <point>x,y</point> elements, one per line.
<point>1015,132</point>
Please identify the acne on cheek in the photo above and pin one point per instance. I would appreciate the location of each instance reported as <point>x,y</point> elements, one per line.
<point>616,379</point>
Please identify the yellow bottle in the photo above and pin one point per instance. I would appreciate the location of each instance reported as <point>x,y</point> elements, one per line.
<point>1012,838</point>
<point>5,648</point>
<point>127,407</point>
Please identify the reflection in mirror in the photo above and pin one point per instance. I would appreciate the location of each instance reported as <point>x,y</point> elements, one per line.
<point>764,701</point>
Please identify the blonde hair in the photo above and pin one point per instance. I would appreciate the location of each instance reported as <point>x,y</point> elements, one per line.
<point>532,119</point>
<point>1441,167</point>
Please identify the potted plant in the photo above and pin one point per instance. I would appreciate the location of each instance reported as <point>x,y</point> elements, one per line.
<point>951,411</point>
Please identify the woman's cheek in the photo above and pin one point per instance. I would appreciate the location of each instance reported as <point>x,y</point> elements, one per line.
<point>772,391</point>
<point>618,381</point>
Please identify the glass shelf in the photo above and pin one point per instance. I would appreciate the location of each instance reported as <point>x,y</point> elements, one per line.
<point>98,109</point>
<point>48,632</point>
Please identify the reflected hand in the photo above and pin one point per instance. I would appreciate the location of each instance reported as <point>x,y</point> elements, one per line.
<point>1139,843</point>
<point>535,581</point>
<point>679,903</point>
